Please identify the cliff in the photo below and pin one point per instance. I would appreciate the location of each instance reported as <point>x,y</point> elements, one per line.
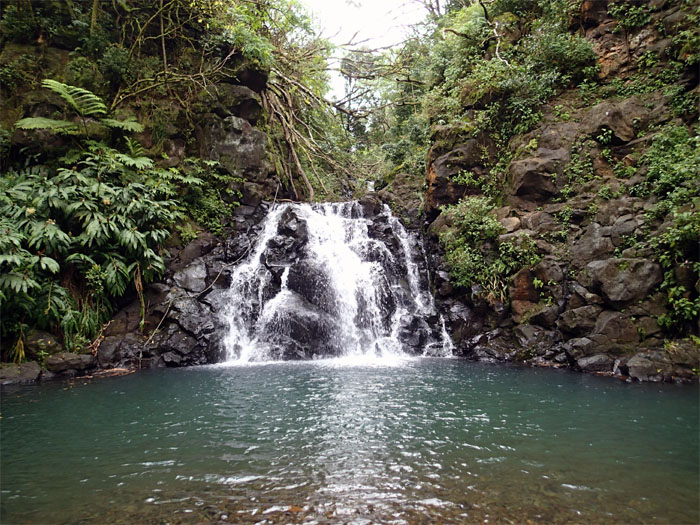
<point>605,190</point>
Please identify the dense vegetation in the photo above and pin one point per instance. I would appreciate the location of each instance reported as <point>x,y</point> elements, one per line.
<point>89,201</point>
<point>494,71</point>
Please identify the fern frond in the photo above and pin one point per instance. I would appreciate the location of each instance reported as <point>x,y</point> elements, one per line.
<point>46,123</point>
<point>138,162</point>
<point>84,102</point>
<point>124,125</point>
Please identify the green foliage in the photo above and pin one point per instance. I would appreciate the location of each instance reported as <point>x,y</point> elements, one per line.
<point>580,167</point>
<point>75,235</point>
<point>629,16</point>
<point>673,177</point>
<point>507,89</point>
<point>677,251</point>
<point>116,66</point>
<point>687,40</point>
<point>84,104</point>
<point>208,193</point>
<point>476,258</point>
<point>674,164</point>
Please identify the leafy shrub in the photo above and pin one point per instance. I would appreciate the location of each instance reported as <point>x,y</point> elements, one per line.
<point>674,164</point>
<point>76,235</point>
<point>675,248</point>
<point>476,258</point>
<point>115,65</point>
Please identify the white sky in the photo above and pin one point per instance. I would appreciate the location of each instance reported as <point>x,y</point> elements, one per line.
<point>378,23</point>
<point>384,22</point>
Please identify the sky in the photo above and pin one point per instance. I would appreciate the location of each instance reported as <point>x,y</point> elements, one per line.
<point>383,22</point>
<point>378,23</point>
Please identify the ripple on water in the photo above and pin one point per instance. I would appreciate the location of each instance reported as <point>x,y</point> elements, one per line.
<point>419,441</point>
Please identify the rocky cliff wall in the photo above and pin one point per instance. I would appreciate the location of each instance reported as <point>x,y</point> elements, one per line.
<point>572,185</point>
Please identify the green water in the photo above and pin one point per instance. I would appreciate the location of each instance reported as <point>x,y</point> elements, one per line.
<point>422,441</point>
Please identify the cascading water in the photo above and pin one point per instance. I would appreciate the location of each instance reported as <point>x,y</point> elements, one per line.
<point>332,280</point>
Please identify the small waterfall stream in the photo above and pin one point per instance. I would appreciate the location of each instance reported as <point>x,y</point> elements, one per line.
<point>329,280</point>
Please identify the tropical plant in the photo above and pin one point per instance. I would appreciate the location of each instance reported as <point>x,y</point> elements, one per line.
<point>88,108</point>
<point>76,235</point>
<point>477,259</point>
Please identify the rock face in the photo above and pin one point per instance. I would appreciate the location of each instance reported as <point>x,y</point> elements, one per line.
<point>182,327</point>
<point>594,302</point>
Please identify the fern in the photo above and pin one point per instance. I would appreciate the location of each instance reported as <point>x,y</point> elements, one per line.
<point>125,125</point>
<point>59,126</point>
<point>85,103</point>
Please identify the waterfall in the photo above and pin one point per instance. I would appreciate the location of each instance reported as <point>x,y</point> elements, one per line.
<point>328,280</point>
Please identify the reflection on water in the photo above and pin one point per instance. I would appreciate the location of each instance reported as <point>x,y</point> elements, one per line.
<point>404,441</point>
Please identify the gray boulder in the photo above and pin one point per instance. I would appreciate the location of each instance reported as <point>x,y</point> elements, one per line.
<point>596,363</point>
<point>622,281</point>
<point>67,361</point>
<point>19,374</point>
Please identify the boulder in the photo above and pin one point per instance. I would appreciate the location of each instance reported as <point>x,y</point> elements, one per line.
<point>594,244</point>
<point>614,331</point>
<point>648,366</point>
<point>622,280</point>
<point>19,374</point>
<point>579,321</point>
<point>38,341</point>
<point>66,362</point>
<point>442,189</point>
<point>193,277</point>
<point>623,118</point>
<point>312,281</point>
<point>510,224</point>
<point>540,222</point>
<point>623,227</point>
<point>534,178</point>
<point>122,351</point>
<point>240,148</point>
<point>578,348</point>
<point>596,363</point>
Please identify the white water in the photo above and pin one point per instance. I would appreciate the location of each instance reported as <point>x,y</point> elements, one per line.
<point>353,297</point>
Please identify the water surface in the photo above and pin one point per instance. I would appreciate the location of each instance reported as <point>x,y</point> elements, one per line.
<point>407,441</point>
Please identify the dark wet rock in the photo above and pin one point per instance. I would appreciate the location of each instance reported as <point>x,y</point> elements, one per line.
<point>19,374</point>
<point>301,331</point>
<point>596,363</point>
<point>648,366</point>
<point>545,316</point>
<point>535,338</point>
<point>614,332</point>
<point>622,281</point>
<point>193,316</point>
<point>414,333</point>
<point>312,281</point>
<point>579,347</point>
<point>39,342</point>
<point>580,321</point>
<point>193,277</point>
<point>122,351</point>
<point>65,362</point>
<point>594,244</point>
